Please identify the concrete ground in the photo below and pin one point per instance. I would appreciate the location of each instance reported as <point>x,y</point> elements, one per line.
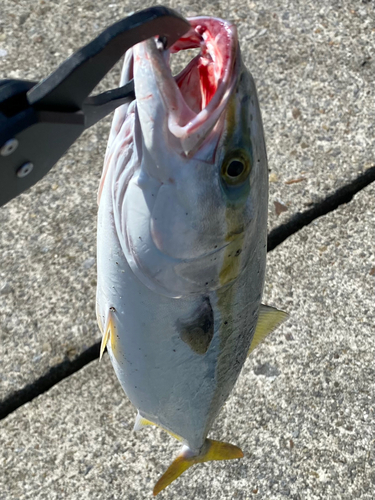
<point>302,410</point>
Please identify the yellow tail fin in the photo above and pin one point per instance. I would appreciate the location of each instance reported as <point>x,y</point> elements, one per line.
<point>212,450</point>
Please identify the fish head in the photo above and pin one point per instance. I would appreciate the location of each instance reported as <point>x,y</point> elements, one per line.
<point>190,205</point>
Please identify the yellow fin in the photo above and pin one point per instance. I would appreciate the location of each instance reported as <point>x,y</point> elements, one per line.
<point>212,450</point>
<point>105,339</point>
<point>144,421</point>
<point>141,422</point>
<point>109,330</point>
<point>176,436</point>
<point>268,320</point>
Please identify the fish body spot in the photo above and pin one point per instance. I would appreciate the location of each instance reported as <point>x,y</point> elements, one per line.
<point>197,331</point>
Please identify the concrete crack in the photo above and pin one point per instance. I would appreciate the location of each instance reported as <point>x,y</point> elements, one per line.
<point>63,370</point>
<point>323,207</point>
<point>54,375</point>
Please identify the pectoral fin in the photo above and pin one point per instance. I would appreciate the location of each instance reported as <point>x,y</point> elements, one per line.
<point>212,450</point>
<point>108,331</point>
<point>268,320</point>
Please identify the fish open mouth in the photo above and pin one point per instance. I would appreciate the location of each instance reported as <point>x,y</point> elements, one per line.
<point>196,97</point>
<point>208,74</point>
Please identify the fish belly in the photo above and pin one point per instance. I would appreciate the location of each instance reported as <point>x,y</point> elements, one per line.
<point>171,376</point>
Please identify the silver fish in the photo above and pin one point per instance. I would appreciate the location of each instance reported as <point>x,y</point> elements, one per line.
<point>182,233</point>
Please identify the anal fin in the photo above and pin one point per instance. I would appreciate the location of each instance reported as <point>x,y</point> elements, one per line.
<point>269,319</point>
<point>141,422</point>
<point>212,450</point>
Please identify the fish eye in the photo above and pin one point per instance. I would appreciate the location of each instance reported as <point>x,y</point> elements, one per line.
<point>236,168</point>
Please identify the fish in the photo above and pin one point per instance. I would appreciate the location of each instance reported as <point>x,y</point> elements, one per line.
<point>182,237</point>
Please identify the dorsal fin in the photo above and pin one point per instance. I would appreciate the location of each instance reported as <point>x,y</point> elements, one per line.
<point>268,320</point>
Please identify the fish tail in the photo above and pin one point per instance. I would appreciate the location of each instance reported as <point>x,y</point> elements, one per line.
<point>211,450</point>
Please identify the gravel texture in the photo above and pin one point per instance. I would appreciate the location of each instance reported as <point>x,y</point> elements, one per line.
<point>314,67</point>
<point>302,410</point>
